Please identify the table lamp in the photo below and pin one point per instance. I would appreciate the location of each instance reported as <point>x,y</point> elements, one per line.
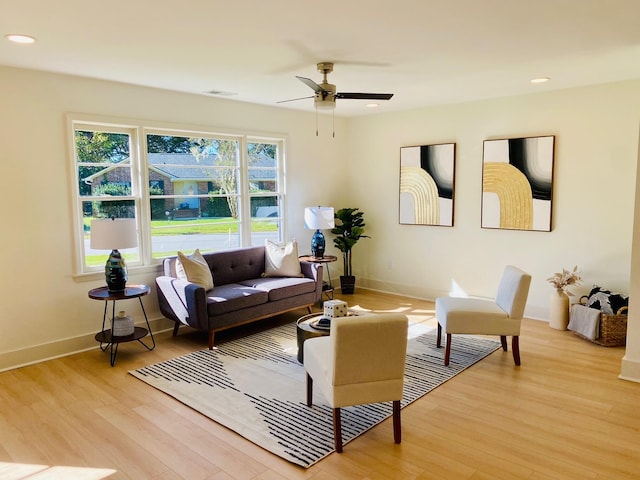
<point>318,218</point>
<point>112,234</point>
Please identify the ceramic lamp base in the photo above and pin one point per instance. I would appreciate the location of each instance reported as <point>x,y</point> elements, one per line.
<point>116,272</point>
<point>318,244</point>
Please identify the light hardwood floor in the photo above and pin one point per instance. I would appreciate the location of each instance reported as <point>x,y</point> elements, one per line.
<point>563,414</point>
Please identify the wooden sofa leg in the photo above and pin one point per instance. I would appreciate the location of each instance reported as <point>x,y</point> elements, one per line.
<point>175,328</point>
<point>515,346</point>
<point>439,337</point>
<point>503,341</point>
<point>211,340</point>
<point>447,350</point>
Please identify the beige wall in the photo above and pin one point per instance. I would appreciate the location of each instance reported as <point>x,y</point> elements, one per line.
<point>46,312</point>
<point>596,160</point>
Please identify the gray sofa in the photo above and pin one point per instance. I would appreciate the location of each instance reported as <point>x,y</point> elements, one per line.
<point>240,293</point>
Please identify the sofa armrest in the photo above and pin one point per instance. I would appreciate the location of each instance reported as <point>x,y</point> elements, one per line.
<point>315,272</point>
<point>183,301</point>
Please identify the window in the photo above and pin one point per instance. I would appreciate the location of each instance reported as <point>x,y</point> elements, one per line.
<point>105,185</point>
<point>264,192</point>
<point>185,189</point>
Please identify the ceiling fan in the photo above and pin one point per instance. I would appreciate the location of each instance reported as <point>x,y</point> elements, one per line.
<point>325,93</point>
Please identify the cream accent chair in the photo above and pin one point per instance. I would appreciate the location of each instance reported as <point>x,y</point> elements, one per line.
<point>487,317</point>
<point>361,361</point>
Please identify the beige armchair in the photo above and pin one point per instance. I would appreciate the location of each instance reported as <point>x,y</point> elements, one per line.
<point>501,316</point>
<point>362,361</point>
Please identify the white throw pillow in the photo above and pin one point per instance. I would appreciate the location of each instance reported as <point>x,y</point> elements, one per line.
<point>281,260</point>
<point>195,269</point>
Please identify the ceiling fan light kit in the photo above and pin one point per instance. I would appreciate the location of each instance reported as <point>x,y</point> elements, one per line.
<point>326,104</point>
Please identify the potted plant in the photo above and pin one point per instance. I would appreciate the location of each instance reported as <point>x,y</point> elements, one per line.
<point>348,232</point>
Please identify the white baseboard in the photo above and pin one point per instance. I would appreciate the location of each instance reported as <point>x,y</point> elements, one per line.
<point>630,370</point>
<point>62,348</point>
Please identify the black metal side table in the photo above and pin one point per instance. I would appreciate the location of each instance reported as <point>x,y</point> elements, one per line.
<point>327,288</point>
<point>107,340</point>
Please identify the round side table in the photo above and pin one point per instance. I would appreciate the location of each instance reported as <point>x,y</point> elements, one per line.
<point>107,340</point>
<point>327,288</point>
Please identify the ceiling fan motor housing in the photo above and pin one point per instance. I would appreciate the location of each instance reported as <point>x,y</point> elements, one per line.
<point>326,98</point>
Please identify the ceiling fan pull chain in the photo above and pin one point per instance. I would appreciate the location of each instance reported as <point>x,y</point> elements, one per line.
<point>333,122</point>
<point>316,120</point>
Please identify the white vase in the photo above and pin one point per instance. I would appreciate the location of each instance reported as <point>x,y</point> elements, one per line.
<point>559,310</point>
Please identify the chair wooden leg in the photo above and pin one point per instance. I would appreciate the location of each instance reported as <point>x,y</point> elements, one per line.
<point>337,430</point>
<point>175,328</point>
<point>515,346</point>
<point>439,338</point>
<point>503,340</point>
<point>309,390</point>
<point>397,427</point>
<point>211,340</point>
<point>309,308</point>
<point>447,350</point>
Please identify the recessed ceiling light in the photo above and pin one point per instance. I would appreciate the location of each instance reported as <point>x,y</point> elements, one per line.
<point>540,80</point>
<point>20,38</point>
<point>373,105</point>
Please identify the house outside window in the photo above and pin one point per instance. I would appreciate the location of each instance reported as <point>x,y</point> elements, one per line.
<point>186,190</point>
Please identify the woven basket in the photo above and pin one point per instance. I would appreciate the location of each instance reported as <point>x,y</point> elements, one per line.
<point>612,331</point>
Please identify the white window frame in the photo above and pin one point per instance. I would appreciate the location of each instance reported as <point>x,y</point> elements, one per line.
<point>138,131</point>
<point>244,164</point>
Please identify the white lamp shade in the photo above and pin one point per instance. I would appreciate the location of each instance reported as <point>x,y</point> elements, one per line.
<point>319,218</point>
<point>113,233</point>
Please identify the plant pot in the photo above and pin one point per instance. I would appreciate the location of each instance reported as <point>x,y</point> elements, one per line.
<point>347,283</point>
<point>559,310</point>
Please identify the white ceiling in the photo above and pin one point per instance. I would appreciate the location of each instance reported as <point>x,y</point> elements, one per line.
<point>426,52</point>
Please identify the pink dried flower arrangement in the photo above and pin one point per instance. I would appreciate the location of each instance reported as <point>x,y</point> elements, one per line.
<point>564,279</point>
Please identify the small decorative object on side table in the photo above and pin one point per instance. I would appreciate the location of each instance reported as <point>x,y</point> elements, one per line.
<point>327,288</point>
<point>107,340</point>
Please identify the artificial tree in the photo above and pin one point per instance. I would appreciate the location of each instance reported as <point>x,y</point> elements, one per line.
<point>348,232</point>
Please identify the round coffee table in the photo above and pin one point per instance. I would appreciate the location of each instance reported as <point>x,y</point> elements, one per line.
<point>305,330</point>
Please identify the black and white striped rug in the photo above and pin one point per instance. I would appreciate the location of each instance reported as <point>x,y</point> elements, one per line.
<point>256,387</point>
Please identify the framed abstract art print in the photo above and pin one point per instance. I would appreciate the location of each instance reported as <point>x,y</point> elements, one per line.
<point>427,184</point>
<point>517,183</point>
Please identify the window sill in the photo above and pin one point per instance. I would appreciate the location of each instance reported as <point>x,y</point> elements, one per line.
<point>133,272</point>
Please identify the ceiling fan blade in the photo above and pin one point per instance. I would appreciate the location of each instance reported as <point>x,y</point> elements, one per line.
<point>365,96</point>
<point>294,99</point>
<point>307,81</point>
